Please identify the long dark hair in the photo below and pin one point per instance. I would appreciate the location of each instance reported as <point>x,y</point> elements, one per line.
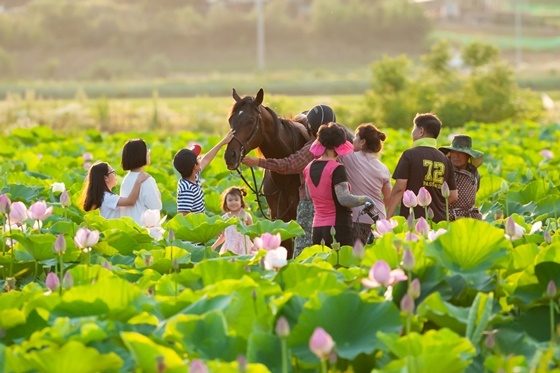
<point>95,186</point>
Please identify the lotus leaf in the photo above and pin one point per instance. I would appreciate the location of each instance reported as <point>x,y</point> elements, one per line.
<point>470,247</point>
<point>352,323</point>
<point>261,226</point>
<point>198,227</point>
<point>435,351</point>
<point>146,352</point>
<point>443,314</point>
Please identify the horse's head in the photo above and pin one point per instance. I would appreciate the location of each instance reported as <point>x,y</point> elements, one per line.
<point>245,118</point>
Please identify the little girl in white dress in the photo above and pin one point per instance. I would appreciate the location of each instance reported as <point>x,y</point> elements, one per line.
<point>234,241</point>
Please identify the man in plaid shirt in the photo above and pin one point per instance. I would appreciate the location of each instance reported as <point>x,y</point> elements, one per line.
<point>295,164</point>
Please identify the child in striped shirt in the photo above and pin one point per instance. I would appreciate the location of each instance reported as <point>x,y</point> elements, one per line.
<point>190,197</point>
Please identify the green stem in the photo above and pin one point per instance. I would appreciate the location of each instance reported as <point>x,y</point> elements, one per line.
<point>552,326</point>
<point>285,357</point>
<point>426,213</point>
<point>324,365</point>
<point>507,212</point>
<point>36,270</point>
<point>60,271</point>
<point>3,239</point>
<point>447,210</point>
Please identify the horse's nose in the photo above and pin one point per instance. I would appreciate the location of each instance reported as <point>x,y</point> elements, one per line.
<point>231,159</point>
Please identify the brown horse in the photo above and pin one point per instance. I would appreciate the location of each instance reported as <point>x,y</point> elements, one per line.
<point>257,126</point>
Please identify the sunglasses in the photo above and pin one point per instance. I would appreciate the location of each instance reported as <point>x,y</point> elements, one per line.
<point>111,172</point>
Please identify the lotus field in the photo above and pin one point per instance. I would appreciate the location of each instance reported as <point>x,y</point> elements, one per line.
<point>83,294</point>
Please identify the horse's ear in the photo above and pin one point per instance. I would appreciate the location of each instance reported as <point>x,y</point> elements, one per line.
<point>236,96</point>
<point>259,98</point>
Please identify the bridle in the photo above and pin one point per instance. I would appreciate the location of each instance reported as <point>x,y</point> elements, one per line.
<point>257,191</point>
<point>244,146</point>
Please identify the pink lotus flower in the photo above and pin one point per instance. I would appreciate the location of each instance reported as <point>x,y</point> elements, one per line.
<point>380,274</point>
<point>547,154</point>
<point>513,230</point>
<point>67,281</point>
<point>445,190</point>
<point>385,226</point>
<point>547,236</point>
<point>409,236</point>
<point>276,258</point>
<point>321,343</point>
<point>87,165</point>
<point>4,204</point>
<point>85,238</point>
<point>198,366</point>
<point>59,246</point>
<point>268,241</point>
<point>409,199</point>
<point>422,226</point>
<point>52,281</point>
<point>408,261</point>
<point>414,289</point>
<point>424,197</point>
<point>18,212</point>
<point>87,156</point>
<point>282,327</point>
<point>407,304</point>
<point>39,211</point>
<point>65,200</point>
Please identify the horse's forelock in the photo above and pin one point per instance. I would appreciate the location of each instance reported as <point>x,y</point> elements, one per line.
<point>239,104</point>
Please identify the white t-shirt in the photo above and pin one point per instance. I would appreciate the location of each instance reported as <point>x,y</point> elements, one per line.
<point>109,208</point>
<point>148,199</point>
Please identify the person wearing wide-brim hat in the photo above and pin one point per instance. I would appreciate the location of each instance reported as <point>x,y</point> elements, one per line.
<point>465,160</point>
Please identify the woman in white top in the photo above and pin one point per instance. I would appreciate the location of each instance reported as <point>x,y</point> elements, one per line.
<point>135,156</point>
<point>97,193</point>
<point>367,176</point>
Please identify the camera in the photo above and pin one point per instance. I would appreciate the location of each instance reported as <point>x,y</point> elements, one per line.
<point>368,210</point>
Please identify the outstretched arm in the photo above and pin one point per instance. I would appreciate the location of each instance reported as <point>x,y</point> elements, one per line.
<point>293,164</point>
<point>135,192</point>
<point>396,196</point>
<point>208,157</point>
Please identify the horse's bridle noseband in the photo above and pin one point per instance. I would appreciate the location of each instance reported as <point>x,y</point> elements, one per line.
<point>245,145</point>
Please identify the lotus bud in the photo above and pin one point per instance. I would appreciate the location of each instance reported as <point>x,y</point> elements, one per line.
<point>445,190</point>
<point>59,246</point>
<point>321,343</point>
<point>175,264</point>
<point>551,289</point>
<point>490,341</point>
<point>547,237</point>
<point>160,364</point>
<point>87,156</point>
<point>39,211</point>
<point>282,327</point>
<point>408,261</point>
<point>414,289</point>
<point>424,197</point>
<point>171,236</point>
<point>198,366</point>
<point>333,232</point>
<point>18,212</point>
<point>498,215</point>
<point>547,154</point>
<point>409,199</point>
<point>490,168</point>
<point>67,281</point>
<point>5,204</point>
<point>381,272</point>
<point>322,242</point>
<point>358,250</point>
<point>87,165</point>
<point>410,222</point>
<point>147,257</point>
<point>335,246</point>
<point>107,265</point>
<point>422,226</point>
<point>10,283</point>
<point>504,187</point>
<point>510,227</point>
<point>430,213</point>
<point>65,200</point>
<point>241,363</point>
<point>407,304</point>
<point>254,294</point>
<point>85,238</point>
<point>52,281</point>
<point>58,187</point>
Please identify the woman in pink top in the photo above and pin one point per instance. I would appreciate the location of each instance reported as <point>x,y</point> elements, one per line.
<point>328,188</point>
<point>367,175</point>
